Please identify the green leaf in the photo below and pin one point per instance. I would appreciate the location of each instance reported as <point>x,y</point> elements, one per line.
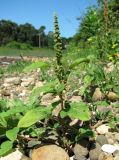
<point>47,88</point>
<point>5,147</point>
<point>12,134</point>
<point>34,66</point>
<point>79,61</point>
<point>17,107</point>
<point>77,110</point>
<point>87,80</point>
<point>34,115</point>
<point>85,133</point>
<point>59,88</point>
<point>3,122</point>
<point>82,90</point>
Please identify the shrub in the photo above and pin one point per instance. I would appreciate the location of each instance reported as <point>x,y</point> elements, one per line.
<point>18,45</point>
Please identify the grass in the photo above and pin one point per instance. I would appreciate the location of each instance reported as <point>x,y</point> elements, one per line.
<point>40,52</point>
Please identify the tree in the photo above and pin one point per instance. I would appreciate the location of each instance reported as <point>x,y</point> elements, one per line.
<point>42,37</point>
<point>8,31</point>
<point>90,24</point>
<point>50,39</point>
<point>26,33</point>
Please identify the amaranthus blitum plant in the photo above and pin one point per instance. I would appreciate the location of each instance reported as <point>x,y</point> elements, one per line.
<point>58,49</point>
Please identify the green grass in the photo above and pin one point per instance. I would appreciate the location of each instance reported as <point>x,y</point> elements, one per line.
<point>41,52</point>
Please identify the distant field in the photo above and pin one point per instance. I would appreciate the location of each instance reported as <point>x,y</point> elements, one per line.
<point>41,52</point>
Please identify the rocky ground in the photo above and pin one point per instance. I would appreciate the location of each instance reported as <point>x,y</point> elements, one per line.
<point>105,146</point>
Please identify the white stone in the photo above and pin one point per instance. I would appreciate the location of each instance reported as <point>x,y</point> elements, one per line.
<point>11,79</point>
<point>109,148</point>
<point>75,99</point>
<point>17,155</point>
<point>72,158</point>
<point>21,94</point>
<point>25,84</point>
<point>103,129</point>
<point>29,79</point>
<point>6,84</point>
<point>38,84</point>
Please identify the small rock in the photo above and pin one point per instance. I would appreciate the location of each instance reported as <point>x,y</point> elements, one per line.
<point>28,79</point>
<point>17,155</point>
<point>50,152</point>
<point>108,148</point>
<point>104,109</point>
<point>72,158</point>
<point>95,151</point>
<point>25,158</point>
<point>80,158</point>
<point>25,84</point>
<point>47,99</point>
<point>112,96</point>
<point>12,80</point>
<point>116,153</point>
<point>98,95</point>
<point>116,158</point>
<point>117,136</point>
<point>101,139</point>
<point>105,156</point>
<point>33,143</point>
<point>75,99</point>
<point>5,93</point>
<point>109,67</point>
<point>103,129</point>
<point>110,137</point>
<point>38,84</point>
<point>6,84</point>
<point>110,141</point>
<point>81,149</point>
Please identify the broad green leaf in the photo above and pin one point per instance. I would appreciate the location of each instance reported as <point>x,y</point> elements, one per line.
<point>85,133</point>
<point>77,110</point>
<point>34,115</point>
<point>12,134</point>
<point>87,80</point>
<point>3,122</point>
<point>5,147</point>
<point>47,88</point>
<point>16,109</point>
<point>14,103</point>
<point>78,61</point>
<point>82,90</point>
<point>35,65</point>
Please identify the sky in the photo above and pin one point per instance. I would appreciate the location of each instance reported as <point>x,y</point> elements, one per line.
<point>40,12</point>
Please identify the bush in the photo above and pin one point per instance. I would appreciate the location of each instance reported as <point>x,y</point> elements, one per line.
<point>18,45</point>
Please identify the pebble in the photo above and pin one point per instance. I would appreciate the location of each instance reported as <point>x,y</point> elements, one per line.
<point>108,148</point>
<point>103,129</point>
<point>50,152</point>
<point>95,151</point>
<point>101,139</point>
<point>17,155</point>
